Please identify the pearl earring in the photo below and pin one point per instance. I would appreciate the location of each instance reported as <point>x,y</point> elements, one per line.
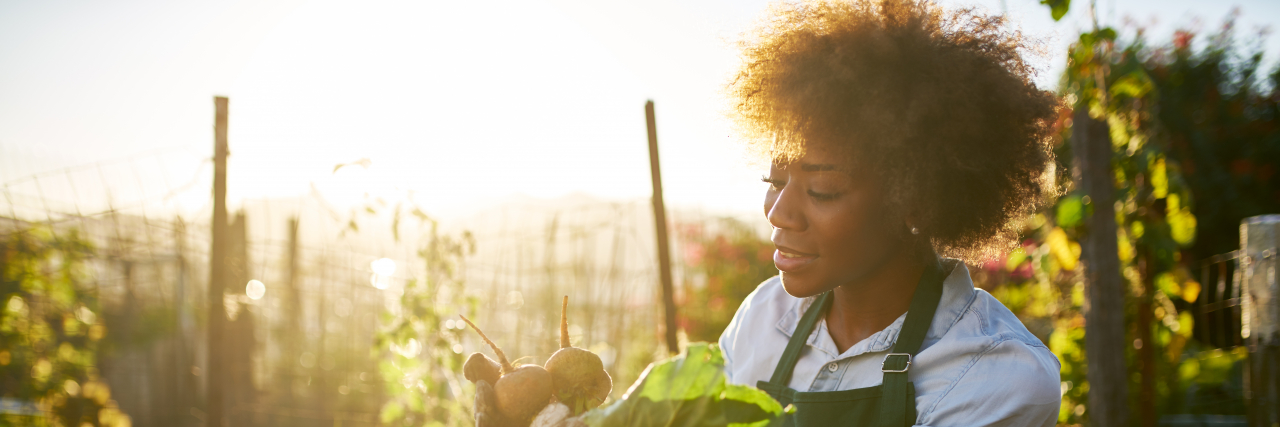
<point>915,230</point>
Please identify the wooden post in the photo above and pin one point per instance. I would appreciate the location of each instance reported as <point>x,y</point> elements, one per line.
<point>320,375</point>
<point>1104,305</point>
<point>181,365</point>
<point>293,313</point>
<point>1260,317</point>
<point>217,270</point>
<point>237,337</point>
<point>660,222</point>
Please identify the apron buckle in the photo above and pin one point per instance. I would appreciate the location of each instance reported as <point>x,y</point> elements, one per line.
<point>886,362</point>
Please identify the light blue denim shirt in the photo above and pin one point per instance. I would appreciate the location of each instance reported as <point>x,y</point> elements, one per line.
<point>979,366</point>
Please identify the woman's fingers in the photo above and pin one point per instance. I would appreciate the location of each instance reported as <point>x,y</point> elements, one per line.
<point>486,407</point>
<point>553,415</point>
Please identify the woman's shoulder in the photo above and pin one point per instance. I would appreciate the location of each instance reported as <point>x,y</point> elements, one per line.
<point>989,318</point>
<point>988,365</point>
<point>968,317</point>
<point>985,326</point>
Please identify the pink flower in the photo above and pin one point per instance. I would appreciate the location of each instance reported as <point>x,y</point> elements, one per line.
<point>693,254</point>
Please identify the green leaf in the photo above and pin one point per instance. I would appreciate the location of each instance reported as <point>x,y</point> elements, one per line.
<point>390,411</point>
<point>687,391</point>
<point>699,372</point>
<point>1168,283</point>
<point>1058,8</point>
<point>1186,324</point>
<point>1182,224</point>
<point>1133,85</point>
<point>395,224</point>
<point>1016,257</point>
<point>1159,177</point>
<point>1086,44</point>
<point>1070,211</point>
<point>752,396</point>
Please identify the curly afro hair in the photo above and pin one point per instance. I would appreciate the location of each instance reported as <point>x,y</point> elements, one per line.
<point>938,103</point>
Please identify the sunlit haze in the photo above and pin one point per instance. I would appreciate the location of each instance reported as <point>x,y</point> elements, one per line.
<point>463,104</point>
<point>404,174</point>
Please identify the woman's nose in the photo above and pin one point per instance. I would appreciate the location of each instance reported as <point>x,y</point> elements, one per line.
<point>783,210</point>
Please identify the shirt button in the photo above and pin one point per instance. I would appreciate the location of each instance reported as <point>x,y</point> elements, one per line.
<point>832,367</point>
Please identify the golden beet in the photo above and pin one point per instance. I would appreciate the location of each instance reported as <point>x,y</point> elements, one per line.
<point>577,375</point>
<point>481,367</point>
<point>523,392</point>
<point>520,392</point>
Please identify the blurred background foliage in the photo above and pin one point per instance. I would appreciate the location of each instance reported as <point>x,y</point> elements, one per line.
<point>1196,147</point>
<point>723,261</point>
<point>50,332</point>
<point>419,344</point>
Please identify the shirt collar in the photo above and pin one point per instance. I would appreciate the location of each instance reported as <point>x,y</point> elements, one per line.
<point>957,294</point>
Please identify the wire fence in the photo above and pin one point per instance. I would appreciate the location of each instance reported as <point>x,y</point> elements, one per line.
<point>301,353</point>
<point>1218,310</point>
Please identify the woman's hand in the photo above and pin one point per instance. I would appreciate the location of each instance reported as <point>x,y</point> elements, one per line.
<point>486,407</point>
<point>487,415</point>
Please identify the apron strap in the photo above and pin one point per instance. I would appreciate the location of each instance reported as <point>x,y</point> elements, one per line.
<point>782,372</point>
<point>894,397</point>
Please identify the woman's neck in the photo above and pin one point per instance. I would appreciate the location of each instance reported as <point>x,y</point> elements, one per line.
<point>862,308</point>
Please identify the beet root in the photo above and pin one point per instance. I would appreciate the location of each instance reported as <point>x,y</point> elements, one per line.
<point>579,379</point>
<point>480,367</point>
<point>520,392</point>
<point>523,392</point>
<point>577,375</point>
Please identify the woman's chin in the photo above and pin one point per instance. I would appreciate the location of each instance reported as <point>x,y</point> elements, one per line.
<point>799,286</point>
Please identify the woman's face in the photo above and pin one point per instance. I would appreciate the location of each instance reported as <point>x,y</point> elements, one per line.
<point>829,225</point>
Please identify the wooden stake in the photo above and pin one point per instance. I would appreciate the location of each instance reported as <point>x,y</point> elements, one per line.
<point>1255,285</point>
<point>215,373</point>
<point>660,222</point>
<point>1105,292</point>
<point>181,363</point>
<point>292,312</point>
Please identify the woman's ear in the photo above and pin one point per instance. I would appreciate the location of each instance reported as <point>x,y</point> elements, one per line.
<point>911,225</point>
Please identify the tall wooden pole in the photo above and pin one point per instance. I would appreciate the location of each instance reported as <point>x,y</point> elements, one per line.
<point>237,334</point>
<point>660,222</point>
<point>1104,308</point>
<point>1260,319</point>
<point>293,313</point>
<point>182,365</point>
<point>217,269</point>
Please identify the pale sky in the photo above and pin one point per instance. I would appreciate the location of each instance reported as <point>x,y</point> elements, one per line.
<point>462,103</point>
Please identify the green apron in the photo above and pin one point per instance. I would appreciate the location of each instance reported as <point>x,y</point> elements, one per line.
<point>892,403</point>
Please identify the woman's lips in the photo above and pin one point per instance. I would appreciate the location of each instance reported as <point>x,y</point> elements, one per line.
<point>789,260</point>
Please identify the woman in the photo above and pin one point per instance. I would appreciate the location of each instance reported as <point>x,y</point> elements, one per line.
<point>896,131</point>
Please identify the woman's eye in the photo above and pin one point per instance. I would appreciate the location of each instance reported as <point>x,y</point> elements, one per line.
<point>822,196</point>
<point>774,184</point>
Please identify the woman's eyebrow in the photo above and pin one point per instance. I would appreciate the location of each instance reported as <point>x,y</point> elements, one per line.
<point>817,167</point>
